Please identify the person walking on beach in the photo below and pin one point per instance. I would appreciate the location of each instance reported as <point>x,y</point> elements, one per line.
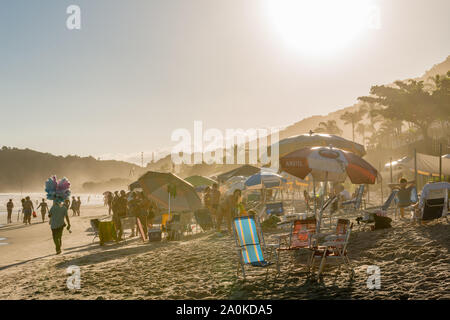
<point>144,208</point>
<point>22,201</point>
<point>115,215</point>
<point>79,206</point>
<point>57,215</point>
<point>109,199</point>
<point>133,209</point>
<point>73,206</point>
<point>119,212</point>
<point>27,210</point>
<point>9,209</point>
<point>44,208</point>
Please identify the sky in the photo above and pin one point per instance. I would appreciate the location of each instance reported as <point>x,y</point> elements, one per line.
<point>139,69</point>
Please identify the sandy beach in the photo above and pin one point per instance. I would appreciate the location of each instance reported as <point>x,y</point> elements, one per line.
<point>414,263</point>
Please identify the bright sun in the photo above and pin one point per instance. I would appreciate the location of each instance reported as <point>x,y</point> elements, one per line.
<point>319,27</point>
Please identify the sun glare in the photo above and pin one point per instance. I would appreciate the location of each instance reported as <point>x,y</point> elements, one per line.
<point>319,27</point>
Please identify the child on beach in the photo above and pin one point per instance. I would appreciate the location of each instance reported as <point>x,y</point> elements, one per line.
<point>404,194</point>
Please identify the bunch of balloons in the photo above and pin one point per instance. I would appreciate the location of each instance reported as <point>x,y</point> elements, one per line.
<point>57,190</point>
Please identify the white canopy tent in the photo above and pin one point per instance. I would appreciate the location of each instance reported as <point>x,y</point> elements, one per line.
<point>426,164</point>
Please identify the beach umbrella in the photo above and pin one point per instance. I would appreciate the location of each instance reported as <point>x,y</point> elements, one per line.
<point>200,181</point>
<point>245,170</point>
<point>264,179</point>
<point>328,164</point>
<point>170,191</point>
<point>311,139</point>
<point>236,182</point>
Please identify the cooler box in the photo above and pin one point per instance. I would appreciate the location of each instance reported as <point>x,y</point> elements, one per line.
<point>154,235</point>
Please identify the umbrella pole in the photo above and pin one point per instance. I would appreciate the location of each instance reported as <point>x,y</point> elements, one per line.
<point>314,198</point>
<point>169,207</point>
<point>325,190</point>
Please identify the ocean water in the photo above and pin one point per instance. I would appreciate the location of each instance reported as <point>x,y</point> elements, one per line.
<point>94,199</point>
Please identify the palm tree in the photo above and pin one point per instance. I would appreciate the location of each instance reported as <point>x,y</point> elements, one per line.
<point>353,118</point>
<point>330,127</point>
<point>361,130</point>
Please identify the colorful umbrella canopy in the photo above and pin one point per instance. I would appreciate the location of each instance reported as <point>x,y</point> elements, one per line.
<point>158,185</point>
<point>328,164</point>
<point>264,179</point>
<point>236,182</point>
<point>199,181</point>
<point>311,139</point>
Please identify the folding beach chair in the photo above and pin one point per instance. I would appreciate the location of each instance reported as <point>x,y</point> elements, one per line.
<point>434,203</point>
<point>354,204</point>
<point>334,247</point>
<point>94,225</point>
<point>327,203</point>
<point>368,214</point>
<point>274,208</point>
<point>250,245</point>
<point>300,237</point>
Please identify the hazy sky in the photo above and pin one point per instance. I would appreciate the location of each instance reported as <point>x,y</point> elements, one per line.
<point>137,70</point>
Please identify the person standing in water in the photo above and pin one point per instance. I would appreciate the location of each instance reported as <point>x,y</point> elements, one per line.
<point>44,208</point>
<point>9,208</point>
<point>27,210</point>
<point>57,215</point>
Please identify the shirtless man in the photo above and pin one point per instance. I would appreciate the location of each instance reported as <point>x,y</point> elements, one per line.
<point>229,209</point>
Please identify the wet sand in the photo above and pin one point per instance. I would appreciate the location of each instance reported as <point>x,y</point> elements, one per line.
<point>414,262</point>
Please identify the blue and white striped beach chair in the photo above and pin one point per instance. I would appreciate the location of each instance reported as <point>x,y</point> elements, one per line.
<point>251,248</point>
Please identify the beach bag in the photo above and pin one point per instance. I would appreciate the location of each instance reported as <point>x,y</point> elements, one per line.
<point>382,222</point>
<point>154,235</point>
<point>34,214</point>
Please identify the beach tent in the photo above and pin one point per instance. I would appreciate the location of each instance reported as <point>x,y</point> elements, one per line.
<point>426,164</point>
<point>134,185</point>
<point>200,181</point>
<point>245,170</point>
<point>170,191</point>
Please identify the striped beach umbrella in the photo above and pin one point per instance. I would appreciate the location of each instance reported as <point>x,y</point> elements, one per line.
<point>311,139</point>
<point>328,164</point>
